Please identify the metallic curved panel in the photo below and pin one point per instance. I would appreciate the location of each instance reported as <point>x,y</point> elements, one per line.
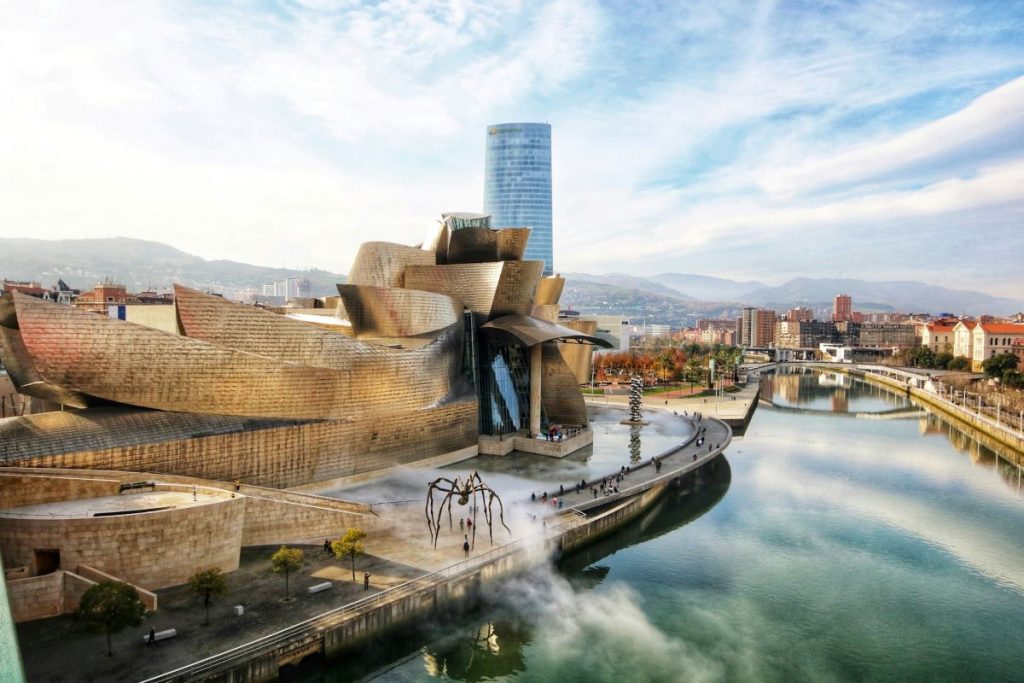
<point>512,243</point>
<point>382,264</point>
<point>491,289</point>
<point>560,392</point>
<point>532,331</point>
<point>19,365</point>
<point>516,287</point>
<point>547,312</point>
<point>549,290</point>
<point>578,356</point>
<point>386,312</point>
<point>471,284</point>
<point>473,245</point>
<point>236,326</point>
<point>140,366</point>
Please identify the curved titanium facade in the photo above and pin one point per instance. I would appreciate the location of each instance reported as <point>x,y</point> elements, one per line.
<point>517,183</point>
<point>140,366</point>
<point>377,312</point>
<point>382,264</point>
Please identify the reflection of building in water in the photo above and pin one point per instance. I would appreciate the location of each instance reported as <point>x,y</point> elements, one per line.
<point>840,401</point>
<point>1005,461</point>
<point>493,650</point>
<point>834,379</point>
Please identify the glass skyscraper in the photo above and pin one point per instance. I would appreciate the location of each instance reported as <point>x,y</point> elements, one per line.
<point>517,184</point>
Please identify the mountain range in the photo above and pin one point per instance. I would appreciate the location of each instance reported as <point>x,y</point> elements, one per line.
<point>141,265</point>
<point>669,298</point>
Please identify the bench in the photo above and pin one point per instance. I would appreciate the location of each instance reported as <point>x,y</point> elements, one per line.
<point>161,635</point>
<point>320,587</point>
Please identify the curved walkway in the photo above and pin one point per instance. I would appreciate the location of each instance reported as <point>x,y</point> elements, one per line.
<point>675,462</point>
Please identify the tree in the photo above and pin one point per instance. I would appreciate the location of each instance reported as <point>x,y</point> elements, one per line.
<point>350,545</point>
<point>958,363</point>
<point>285,561</point>
<point>208,584</point>
<point>110,607</point>
<point>996,366</point>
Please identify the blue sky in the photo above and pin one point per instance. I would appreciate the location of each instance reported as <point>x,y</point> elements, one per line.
<point>753,140</point>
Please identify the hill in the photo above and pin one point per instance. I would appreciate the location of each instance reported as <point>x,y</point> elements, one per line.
<point>898,295</point>
<point>706,287</point>
<point>141,265</point>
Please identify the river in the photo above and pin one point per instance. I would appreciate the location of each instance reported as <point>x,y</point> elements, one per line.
<point>829,547</point>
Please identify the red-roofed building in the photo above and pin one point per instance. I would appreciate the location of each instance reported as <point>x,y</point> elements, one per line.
<point>991,339</point>
<point>937,336</point>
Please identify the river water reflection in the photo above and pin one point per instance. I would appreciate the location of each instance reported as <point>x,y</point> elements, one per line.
<point>827,548</point>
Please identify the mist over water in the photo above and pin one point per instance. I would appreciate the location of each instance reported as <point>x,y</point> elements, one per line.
<point>825,549</point>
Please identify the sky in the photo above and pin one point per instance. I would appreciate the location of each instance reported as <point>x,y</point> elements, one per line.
<point>735,138</point>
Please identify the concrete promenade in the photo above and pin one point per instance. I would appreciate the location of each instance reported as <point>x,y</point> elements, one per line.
<point>449,578</point>
<point>734,408</point>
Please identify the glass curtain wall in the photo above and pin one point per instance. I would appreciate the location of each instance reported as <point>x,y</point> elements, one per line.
<point>504,385</point>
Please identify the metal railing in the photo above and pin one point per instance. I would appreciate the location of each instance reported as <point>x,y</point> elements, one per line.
<point>314,626</point>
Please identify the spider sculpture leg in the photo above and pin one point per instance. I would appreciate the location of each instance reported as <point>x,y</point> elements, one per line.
<point>448,487</point>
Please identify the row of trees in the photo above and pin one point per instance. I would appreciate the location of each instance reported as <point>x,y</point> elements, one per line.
<point>687,362</point>
<point>110,607</point>
<point>924,357</point>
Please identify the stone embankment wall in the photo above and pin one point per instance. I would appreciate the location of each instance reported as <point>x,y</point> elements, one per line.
<point>607,522</point>
<point>980,428</point>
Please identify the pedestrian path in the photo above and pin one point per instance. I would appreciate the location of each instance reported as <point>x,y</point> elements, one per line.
<point>709,439</point>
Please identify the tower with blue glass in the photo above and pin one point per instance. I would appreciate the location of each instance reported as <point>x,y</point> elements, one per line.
<point>517,184</point>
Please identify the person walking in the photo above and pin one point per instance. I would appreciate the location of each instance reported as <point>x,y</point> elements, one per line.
<point>152,637</point>
<point>462,524</point>
<point>366,581</point>
<point>465,546</point>
<point>327,546</point>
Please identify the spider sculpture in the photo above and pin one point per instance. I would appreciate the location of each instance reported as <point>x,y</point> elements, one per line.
<point>463,491</point>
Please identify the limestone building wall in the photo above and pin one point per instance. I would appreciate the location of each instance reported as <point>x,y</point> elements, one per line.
<point>27,489</point>
<point>151,549</point>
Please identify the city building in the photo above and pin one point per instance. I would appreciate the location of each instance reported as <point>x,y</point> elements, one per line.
<point>757,328</point>
<point>287,289</point>
<point>842,308</point>
<point>937,336</point>
<point>800,315</point>
<point>805,335</point>
<point>517,184</point>
<point>963,339</point>
<point>991,339</point>
<point>887,335</point>
<point>60,293</point>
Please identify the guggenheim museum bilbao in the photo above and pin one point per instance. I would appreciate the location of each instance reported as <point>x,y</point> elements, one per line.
<point>436,349</point>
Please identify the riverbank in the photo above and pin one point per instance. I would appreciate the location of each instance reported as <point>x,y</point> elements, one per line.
<point>584,519</point>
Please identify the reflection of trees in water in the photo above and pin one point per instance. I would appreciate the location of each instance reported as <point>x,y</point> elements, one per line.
<point>634,444</point>
<point>481,652</point>
<point>1004,460</point>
